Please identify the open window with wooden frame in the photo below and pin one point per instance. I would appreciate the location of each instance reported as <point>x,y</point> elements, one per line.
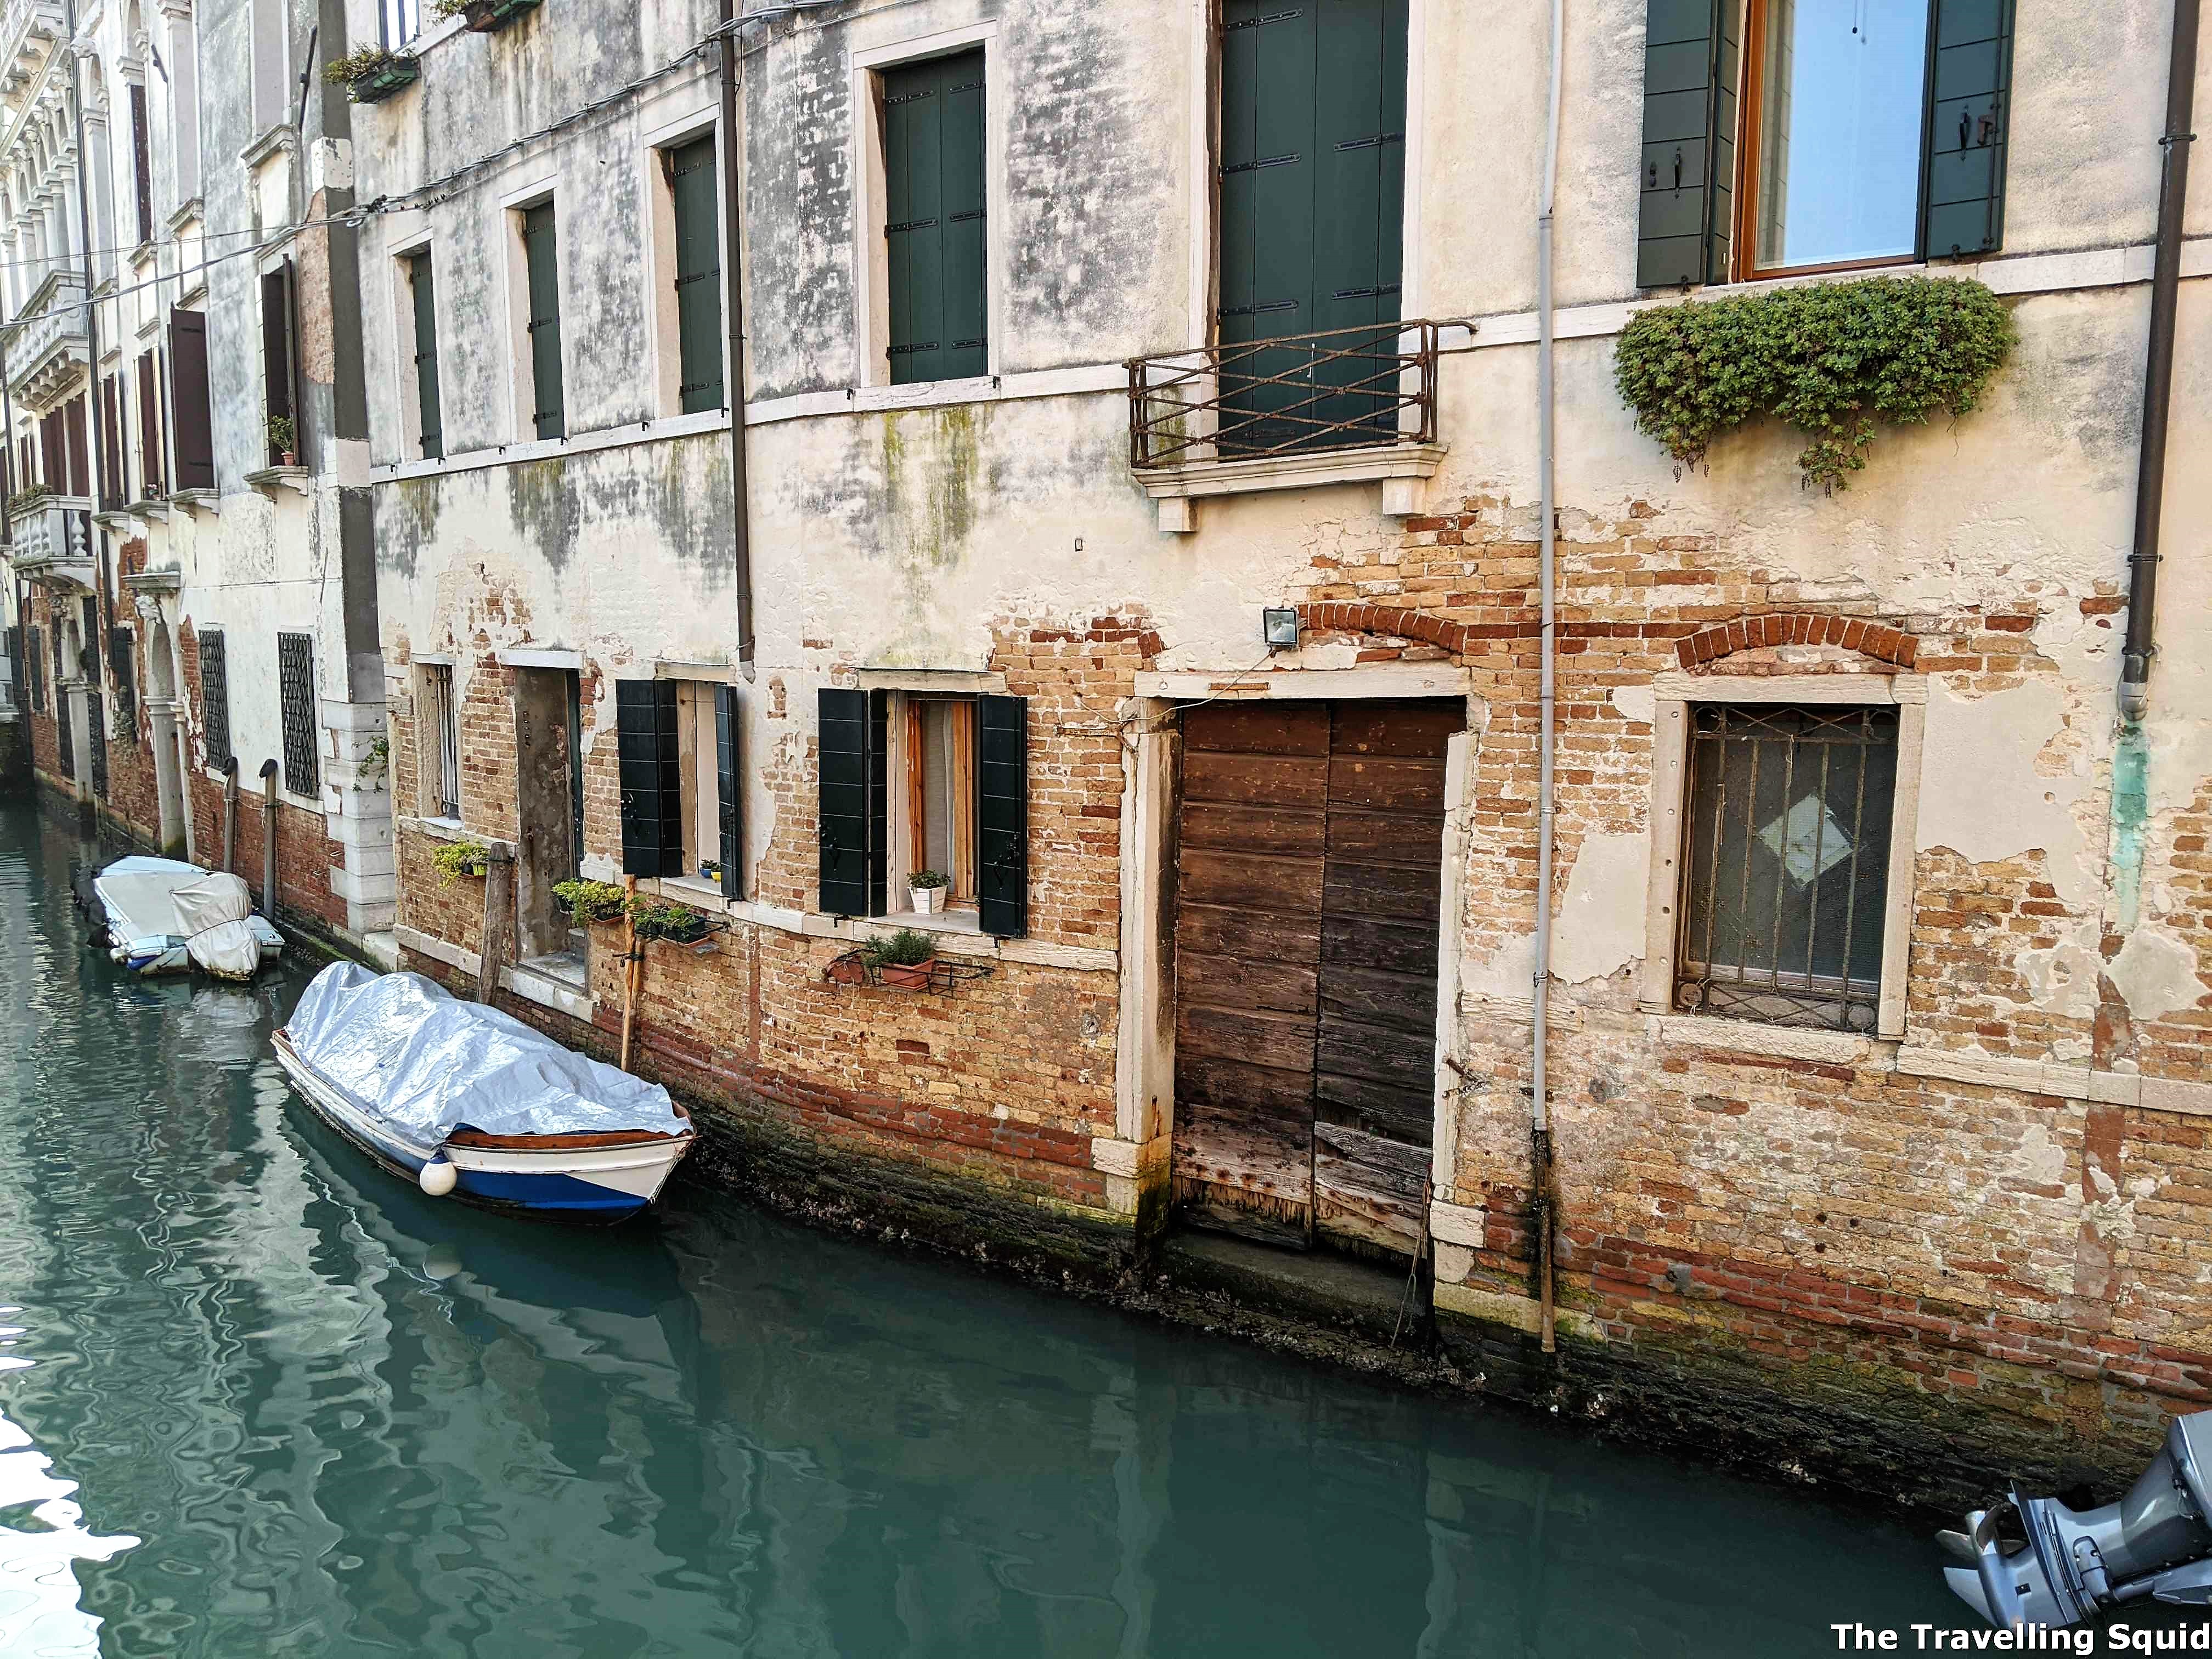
<point>1792,137</point>
<point>280,367</point>
<point>438,742</point>
<point>916,783</point>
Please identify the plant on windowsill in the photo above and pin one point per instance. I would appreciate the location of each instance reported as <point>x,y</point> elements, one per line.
<point>679,924</point>
<point>483,15</point>
<point>590,902</point>
<point>928,887</point>
<point>283,436</point>
<point>905,959</point>
<point>457,859</point>
<point>30,499</point>
<point>370,74</point>
<point>1832,359</point>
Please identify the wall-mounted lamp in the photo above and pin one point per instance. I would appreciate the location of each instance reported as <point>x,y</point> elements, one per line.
<point>1281,629</point>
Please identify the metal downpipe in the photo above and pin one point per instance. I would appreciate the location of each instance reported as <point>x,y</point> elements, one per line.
<point>2158,367</point>
<point>1539,1115</point>
<point>741,554</point>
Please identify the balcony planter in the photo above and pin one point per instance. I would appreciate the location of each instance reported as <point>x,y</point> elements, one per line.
<point>371,74</point>
<point>484,17</point>
<point>457,859</point>
<point>679,924</point>
<point>906,959</point>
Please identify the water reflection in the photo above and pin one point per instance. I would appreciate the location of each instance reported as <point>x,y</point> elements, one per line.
<point>348,1419</point>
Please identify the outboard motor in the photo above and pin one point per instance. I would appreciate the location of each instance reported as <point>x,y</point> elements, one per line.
<point>2034,1561</point>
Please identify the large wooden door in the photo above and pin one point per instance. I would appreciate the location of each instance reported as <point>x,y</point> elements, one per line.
<point>1311,845</point>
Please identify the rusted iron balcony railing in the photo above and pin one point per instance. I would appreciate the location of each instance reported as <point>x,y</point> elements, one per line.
<point>1348,388</point>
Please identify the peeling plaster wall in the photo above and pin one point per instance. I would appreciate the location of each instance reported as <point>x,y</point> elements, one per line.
<point>1799,1179</point>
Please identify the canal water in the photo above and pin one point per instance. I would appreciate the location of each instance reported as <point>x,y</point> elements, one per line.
<point>258,1397</point>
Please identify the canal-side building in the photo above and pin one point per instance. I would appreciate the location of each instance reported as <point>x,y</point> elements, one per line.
<point>1207,670</point>
<point>188,534</point>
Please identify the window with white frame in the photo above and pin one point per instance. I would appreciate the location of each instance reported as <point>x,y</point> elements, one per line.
<point>688,309</point>
<point>402,21</point>
<point>541,399</point>
<point>438,742</point>
<point>1782,859</point>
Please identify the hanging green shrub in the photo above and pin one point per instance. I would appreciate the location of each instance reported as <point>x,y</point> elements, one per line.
<point>457,859</point>
<point>1832,359</point>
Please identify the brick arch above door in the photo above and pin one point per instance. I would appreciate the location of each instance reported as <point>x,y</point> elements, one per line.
<point>1394,621</point>
<point>1868,638</point>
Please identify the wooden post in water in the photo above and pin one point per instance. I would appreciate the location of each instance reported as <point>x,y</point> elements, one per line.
<point>632,963</point>
<point>498,921</point>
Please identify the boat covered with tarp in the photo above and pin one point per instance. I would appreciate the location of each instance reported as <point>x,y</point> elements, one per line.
<point>463,1099</point>
<point>165,916</point>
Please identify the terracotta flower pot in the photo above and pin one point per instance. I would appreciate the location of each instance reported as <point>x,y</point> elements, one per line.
<point>910,976</point>
<point>848,970</point>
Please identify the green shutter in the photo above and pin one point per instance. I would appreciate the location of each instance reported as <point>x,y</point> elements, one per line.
<point>852,748</point>
<point>729,785</point>
<point>648,759</point>
<point>419,281</point>
<point>538,252</point>
<point>1962,207</point>
<point>1688,168</point>
<point>934,219</point>
<point>698,275</point>
<point>1002,816</point>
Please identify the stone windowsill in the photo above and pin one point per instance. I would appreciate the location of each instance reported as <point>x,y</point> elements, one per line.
<point>942,922</point>
<point>268,479</point>
<point>447,829</point>
<point>153,506</point>
<point>195,500</point>
<point>1403,470</point>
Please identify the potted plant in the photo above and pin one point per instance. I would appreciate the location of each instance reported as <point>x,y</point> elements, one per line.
<point>371,74</point>
<point>30,498</point>
<point>281,437</point>
<point>590,902</point>
<point>457,859</point>
<point>928,888</point>
<point>679,924</point>
<point>483,15</point>
<point>903,959</point>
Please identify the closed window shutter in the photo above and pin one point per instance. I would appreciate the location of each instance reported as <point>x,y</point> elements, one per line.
<point>698,276</point>
<point>729,785</point>
<point>277,352</point>
<point>648,755</point>
<point>551,414</point>
<point>1962,210</point>
<point>1359,173</point>
<point>420,284</point>
<point>142,162</point>
<point>1688,170</point>
<point>934,219</point>
<point>1002,816</point>
<point>851,828</point>
<point>110,471</point>
<point>1267,170</point>
<point>80,450</point>
<point>195,453</point>
<point>149,427</point>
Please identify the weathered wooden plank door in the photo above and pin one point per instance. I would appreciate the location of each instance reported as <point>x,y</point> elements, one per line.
<point>1309,862</point>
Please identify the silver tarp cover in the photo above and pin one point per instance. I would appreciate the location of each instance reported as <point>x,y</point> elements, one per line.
<point>428,1063</point>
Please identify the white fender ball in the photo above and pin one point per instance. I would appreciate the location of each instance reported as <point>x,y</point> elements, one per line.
<point>437,1178</point>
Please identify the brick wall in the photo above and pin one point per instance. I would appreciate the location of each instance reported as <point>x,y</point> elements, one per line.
<point>1965,1253</point>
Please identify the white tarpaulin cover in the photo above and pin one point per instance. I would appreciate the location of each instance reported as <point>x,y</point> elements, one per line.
<point>428,1063</point>
<point>211,914</point>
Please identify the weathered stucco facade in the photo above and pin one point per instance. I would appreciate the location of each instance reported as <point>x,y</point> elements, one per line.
<point>1970,1228</point>
<point>163,497</point>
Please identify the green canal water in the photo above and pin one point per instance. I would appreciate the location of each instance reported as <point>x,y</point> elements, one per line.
<point>258,1397</point>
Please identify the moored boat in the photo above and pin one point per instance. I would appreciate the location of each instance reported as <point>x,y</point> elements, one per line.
<point>163,916</point>
<point>463,1100</point>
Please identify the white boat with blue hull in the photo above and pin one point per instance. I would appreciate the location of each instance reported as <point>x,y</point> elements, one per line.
<point>463,1100</point>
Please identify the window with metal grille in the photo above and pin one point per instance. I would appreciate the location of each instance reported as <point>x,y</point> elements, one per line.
<point>34,668</point>
<point>439,737</point>
<point>96,717</point>
<point>15,678</point>
<point>65,730</point>
<point>295,694</point>
<point>214,698</point>
<point>1785,880</point>
<point>123,658</point>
